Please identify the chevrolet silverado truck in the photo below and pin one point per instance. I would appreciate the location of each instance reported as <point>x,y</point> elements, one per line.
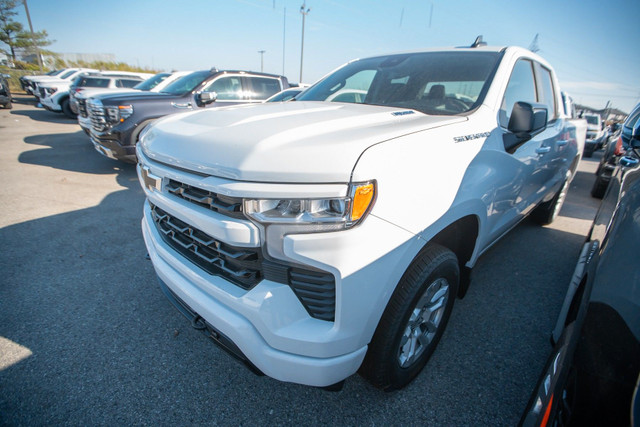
<point>313,239</point>
<point>118,120</point>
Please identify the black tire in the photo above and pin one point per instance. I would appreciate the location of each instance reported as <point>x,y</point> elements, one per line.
<point>404,340</point>
<point>8,105</point>
<point>599,187</point>
<point>66,109</point>
<point>588,152</point>
<point>547,212</point>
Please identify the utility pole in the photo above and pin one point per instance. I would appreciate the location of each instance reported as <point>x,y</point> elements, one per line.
<point>304,12</point>
<point>33,37</point>
<point>261,52</point>
<point>284,36</point>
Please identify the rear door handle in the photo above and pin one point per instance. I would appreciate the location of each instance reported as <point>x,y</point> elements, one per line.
<point>543,150</point>
<point>562,142</point>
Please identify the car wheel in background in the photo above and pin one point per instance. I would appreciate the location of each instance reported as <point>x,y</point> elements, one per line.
<point>66,109</point>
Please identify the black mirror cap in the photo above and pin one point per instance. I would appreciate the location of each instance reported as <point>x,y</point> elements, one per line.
<point>527,119</point>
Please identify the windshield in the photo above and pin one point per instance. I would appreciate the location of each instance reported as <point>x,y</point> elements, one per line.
<point>187,83</point>
<point>436,83</point>
<point>55,72</point>
<point>67,74</point>
<point>151,82</point>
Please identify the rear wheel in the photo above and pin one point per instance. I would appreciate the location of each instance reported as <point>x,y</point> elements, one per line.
<point>414,320</point>
<point>547,212</point>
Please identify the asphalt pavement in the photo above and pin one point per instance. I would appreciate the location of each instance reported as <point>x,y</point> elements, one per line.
<point>88,338</point>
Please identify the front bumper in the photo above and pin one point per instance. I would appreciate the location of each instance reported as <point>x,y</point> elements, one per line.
<point>50,104</point>
<point>268,323</point>
<point>109,145</point>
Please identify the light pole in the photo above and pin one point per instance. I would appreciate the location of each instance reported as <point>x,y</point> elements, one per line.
<point>261,52</point>
<point>304,11</point>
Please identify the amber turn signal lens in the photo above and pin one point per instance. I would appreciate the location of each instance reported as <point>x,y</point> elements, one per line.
<point>362,197</point>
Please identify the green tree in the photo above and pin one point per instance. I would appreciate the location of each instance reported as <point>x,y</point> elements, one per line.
<point>13,35</point>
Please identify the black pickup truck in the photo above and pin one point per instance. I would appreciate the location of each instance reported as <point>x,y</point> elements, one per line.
<point>118,119</point>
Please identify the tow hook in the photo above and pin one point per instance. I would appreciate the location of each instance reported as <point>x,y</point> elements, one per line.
<point>198,323</point>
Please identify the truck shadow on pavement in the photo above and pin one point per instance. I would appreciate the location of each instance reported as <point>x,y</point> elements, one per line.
<point>42,115</point>
<point>69,151</point>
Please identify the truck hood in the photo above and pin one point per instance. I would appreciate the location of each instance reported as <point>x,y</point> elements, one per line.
<point>288,142</point>
<point>137,96</point>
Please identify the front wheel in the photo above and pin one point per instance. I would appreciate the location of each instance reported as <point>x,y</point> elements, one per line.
<point>66,109</point>
<point>414,320</point>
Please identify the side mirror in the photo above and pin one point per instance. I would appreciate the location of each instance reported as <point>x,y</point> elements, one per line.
<point>208,97</point>
<point>527,119</point>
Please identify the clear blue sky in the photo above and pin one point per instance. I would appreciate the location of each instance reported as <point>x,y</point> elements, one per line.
<point>593,45</point>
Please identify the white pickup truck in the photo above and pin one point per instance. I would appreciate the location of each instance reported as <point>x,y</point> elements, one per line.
<point>313,239</point>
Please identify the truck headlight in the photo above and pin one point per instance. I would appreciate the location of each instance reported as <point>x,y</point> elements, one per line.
<point>119,113</point>
<point>280,217</point>
<point>324,214</point>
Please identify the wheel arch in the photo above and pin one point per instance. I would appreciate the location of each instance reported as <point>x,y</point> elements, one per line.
<point>461,238</point>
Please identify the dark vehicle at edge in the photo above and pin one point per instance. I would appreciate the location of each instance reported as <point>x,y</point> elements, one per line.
<point>117,120</point>
<point>5,93</point>
<point>612,153</point>
<point>592,374</point>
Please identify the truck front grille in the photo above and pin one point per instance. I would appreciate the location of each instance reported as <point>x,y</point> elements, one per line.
<point>224,205</point>
<point>240,266</point>
<point>97,116</point>
<point>82,107</point>
<point>245,267</point>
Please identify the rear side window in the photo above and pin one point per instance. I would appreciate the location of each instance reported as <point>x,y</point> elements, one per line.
<point>521,88</point>
<point>126,83</point>
<point>93,82</point>
<point>263,87</point>
<point>547,94</point>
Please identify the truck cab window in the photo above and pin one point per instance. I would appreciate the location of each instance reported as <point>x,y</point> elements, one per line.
<point>547,95</point>
<point>227,88</point>
<point>521,88</point>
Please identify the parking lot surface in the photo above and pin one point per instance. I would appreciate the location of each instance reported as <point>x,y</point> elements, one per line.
<point>87,337</point>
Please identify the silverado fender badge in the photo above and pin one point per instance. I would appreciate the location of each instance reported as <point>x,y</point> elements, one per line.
<point>473,136</point>
<point>402,113</point>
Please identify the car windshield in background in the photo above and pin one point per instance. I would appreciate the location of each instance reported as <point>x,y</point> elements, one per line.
<point>592,120</point>
<point>67,74</point>
<point>187,83</point>
<point>151,82</point>
<point>437,83</point>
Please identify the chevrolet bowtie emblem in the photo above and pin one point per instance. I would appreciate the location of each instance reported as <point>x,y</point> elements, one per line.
<point>151,181</point>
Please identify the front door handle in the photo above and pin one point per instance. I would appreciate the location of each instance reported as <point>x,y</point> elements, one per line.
<point>562,142</point>
<point>543,150</point>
